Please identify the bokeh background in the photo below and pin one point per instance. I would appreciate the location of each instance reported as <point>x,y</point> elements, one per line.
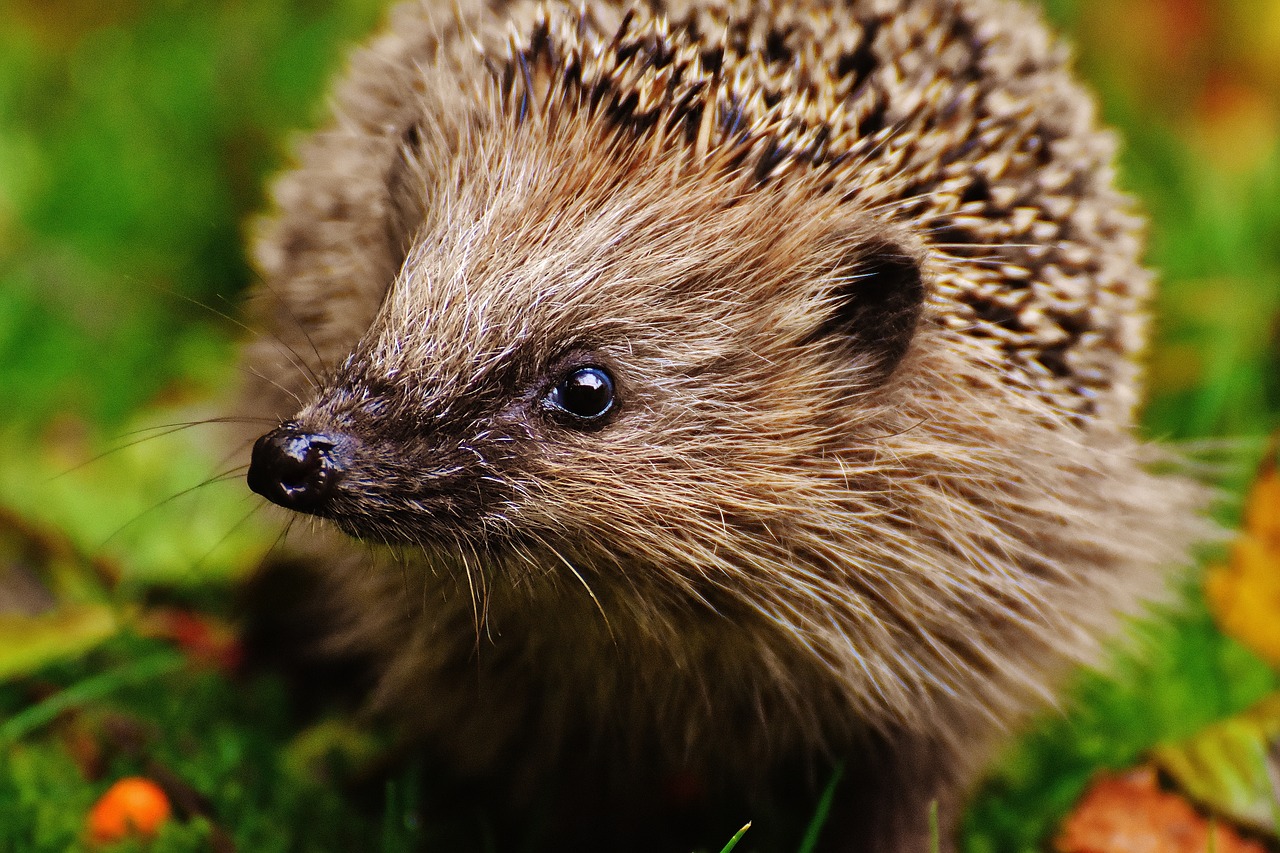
<point>136,137</point>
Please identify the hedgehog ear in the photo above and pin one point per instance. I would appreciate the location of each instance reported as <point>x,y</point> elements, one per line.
<point>876,305</point>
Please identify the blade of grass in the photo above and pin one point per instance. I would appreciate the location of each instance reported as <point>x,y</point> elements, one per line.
<point>95,687</point>
<point>737,836</point>
<point>821,813</point>
<point>400,816</point>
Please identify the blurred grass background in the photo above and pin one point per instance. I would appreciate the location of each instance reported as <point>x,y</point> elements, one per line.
<point>135,139</point>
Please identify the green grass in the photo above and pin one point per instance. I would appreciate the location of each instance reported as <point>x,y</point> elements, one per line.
<point>230,742</point>
<point>134,141</point>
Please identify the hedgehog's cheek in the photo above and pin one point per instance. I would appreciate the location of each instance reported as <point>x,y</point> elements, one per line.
<point>299,470</point>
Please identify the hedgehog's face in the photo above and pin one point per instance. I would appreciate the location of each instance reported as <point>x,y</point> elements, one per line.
<point>570,390</point>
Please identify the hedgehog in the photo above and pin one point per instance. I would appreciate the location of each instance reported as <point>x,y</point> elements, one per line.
<point>723,390</point>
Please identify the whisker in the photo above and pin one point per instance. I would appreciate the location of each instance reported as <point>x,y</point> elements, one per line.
<point>160,431</point>
<point>280,300</point>
<point>282,535</point>
<point>258,506</point>
<point>399,560</point>
<point>292,356</point>
<point>608,626</point>
<point>475,603</point>
<point>225,476</point>
<point>251,372</point>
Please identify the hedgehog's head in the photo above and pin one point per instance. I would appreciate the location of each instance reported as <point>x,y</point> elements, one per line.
<point>594,336</point>
<point>661,332</point>
<point>566,354</point>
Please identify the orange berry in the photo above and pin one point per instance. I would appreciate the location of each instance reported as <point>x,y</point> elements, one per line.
<point>132,806</point>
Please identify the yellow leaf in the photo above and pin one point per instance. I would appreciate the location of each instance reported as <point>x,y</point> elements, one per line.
<point>1262,515</point>
<point>1244,594</point>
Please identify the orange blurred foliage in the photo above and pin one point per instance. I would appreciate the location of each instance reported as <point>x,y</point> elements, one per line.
<point>1210,69</point>
<point>1244,594</point>
<point>133,806</point>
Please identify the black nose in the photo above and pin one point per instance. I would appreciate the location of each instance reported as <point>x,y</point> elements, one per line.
<point>297,470</point>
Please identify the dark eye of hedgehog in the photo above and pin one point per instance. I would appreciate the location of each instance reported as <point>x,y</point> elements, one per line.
<point>585,395</point>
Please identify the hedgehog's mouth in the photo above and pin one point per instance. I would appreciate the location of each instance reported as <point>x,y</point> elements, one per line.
<point>368,492</point>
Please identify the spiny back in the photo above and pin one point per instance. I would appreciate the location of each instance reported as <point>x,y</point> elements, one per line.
<point>959,119</point>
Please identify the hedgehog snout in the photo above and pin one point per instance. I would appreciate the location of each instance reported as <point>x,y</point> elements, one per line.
<point>298,470</point>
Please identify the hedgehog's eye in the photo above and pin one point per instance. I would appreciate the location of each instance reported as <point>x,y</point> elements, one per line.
<point>586,393</point>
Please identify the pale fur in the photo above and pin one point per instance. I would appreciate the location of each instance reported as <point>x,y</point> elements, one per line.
<point>773,553</point>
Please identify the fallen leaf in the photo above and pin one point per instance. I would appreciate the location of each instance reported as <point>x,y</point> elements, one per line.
<point>1130,813</point>
<point>204,637</point>
<point>1227,767</point>
<point>28,643</point>
<point>1244,594</point>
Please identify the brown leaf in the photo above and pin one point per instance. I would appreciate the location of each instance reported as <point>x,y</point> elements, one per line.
<point>1130,813</point>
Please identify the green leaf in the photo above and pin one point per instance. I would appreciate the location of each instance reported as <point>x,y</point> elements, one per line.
<point>822,812</point>
<point>29,643</point>
<point>1228,766</point>
<point>312,754</point>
